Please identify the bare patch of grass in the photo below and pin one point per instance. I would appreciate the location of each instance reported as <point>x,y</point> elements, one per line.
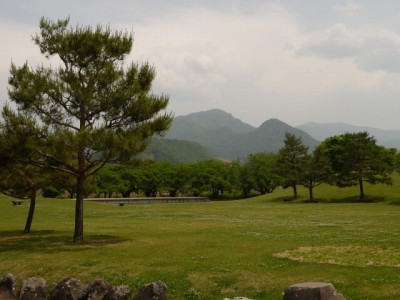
<point>358,256</point>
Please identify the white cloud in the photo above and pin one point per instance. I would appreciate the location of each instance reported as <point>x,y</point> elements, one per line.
<point>350,7</point>
<point>336,42</point>
<point>371,50</point>
<point>220,57</point>
<point>382,52</point>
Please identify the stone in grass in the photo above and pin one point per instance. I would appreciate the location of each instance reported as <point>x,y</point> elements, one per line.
<point>7,287</point>
<point>95,290</point>
<point>33,288</point>
<point>120,292</point>
<point>312,291</point>
<point>152,291</point>
<point>67,289</point>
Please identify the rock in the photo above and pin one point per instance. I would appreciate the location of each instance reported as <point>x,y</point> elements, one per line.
<point>152,291</point>
<point>33,289</point>
<point>120,292</point>
<point>95,290</point>
<point>7,287</point>
<point>312,291</point>
<point>67,289</point>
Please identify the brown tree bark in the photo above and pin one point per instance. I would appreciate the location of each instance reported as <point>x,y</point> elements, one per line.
<point>31,212</point>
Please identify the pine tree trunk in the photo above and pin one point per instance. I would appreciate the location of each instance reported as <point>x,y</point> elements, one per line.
<point>361,184</point>
<point>81,180</point>
<point>295,191</point>
<point>31,212</point>
<point>80,193</point>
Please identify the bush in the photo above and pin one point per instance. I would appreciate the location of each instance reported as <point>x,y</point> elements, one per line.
<point>50,192</point>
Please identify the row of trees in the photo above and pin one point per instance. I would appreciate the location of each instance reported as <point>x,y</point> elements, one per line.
<point>212,178</point>
<point>346,160</point>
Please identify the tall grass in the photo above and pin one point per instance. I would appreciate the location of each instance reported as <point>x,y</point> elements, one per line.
<point>253,247</point>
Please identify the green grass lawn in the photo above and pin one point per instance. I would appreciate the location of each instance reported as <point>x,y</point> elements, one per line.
<point>254,248</point>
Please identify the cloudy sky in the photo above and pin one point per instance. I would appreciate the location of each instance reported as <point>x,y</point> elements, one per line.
<point>295,60</point>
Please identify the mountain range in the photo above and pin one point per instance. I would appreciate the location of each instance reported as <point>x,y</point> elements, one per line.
<point>218,134</point>
<point>229,138</point>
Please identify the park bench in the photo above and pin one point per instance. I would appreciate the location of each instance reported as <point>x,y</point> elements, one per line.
<point>17,202</point>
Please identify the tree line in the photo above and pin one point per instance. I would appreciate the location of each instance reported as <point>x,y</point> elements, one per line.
<point>345,160</point>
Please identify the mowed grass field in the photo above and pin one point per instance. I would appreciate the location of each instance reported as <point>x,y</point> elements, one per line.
<point>253,247</point>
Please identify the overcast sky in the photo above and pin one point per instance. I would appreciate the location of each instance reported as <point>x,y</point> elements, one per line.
<point>295,60</point>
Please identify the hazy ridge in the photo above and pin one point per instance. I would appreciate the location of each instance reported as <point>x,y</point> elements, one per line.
<point>218,134</point>
<point>321,131</point>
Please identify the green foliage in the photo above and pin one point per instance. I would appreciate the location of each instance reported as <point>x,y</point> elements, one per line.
<point>110,181</point>
<point>316,170</point>
<point>50,192</point>
<point>175,178</point>
<point>291,160</point>
<point>150,179</point>
<point>355,158</point>
<point>261,170</point>
<point>211,176</point>
<point>17,178</point>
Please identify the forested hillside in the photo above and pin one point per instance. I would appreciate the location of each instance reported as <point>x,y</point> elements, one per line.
<point>176,151</point>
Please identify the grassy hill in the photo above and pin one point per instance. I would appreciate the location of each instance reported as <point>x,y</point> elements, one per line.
<point>254,247</point>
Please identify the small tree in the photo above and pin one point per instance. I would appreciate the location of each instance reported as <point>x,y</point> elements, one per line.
<point>109,181</point>
<point>210,176</point>
<point>239,178</point>
<point>91,110</point>
<point>356,158</point>
<point>22,182</point>
<point>262,169</point>
<point>175,177</point>
<point>18,179</point>
<point>316,170</point>
<point>291,159</point>
<point>150,179</point>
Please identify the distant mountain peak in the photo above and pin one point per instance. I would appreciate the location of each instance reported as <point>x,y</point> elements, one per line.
<point>213,111</point>
<point>273,121</point>
<point>214,119</point>
<point>274,124</point>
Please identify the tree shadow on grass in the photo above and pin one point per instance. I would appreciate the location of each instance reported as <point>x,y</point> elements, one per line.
<point>356,199</point>
<point>289,199</point>
<point>50,241</point>
<point>349,200</point>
